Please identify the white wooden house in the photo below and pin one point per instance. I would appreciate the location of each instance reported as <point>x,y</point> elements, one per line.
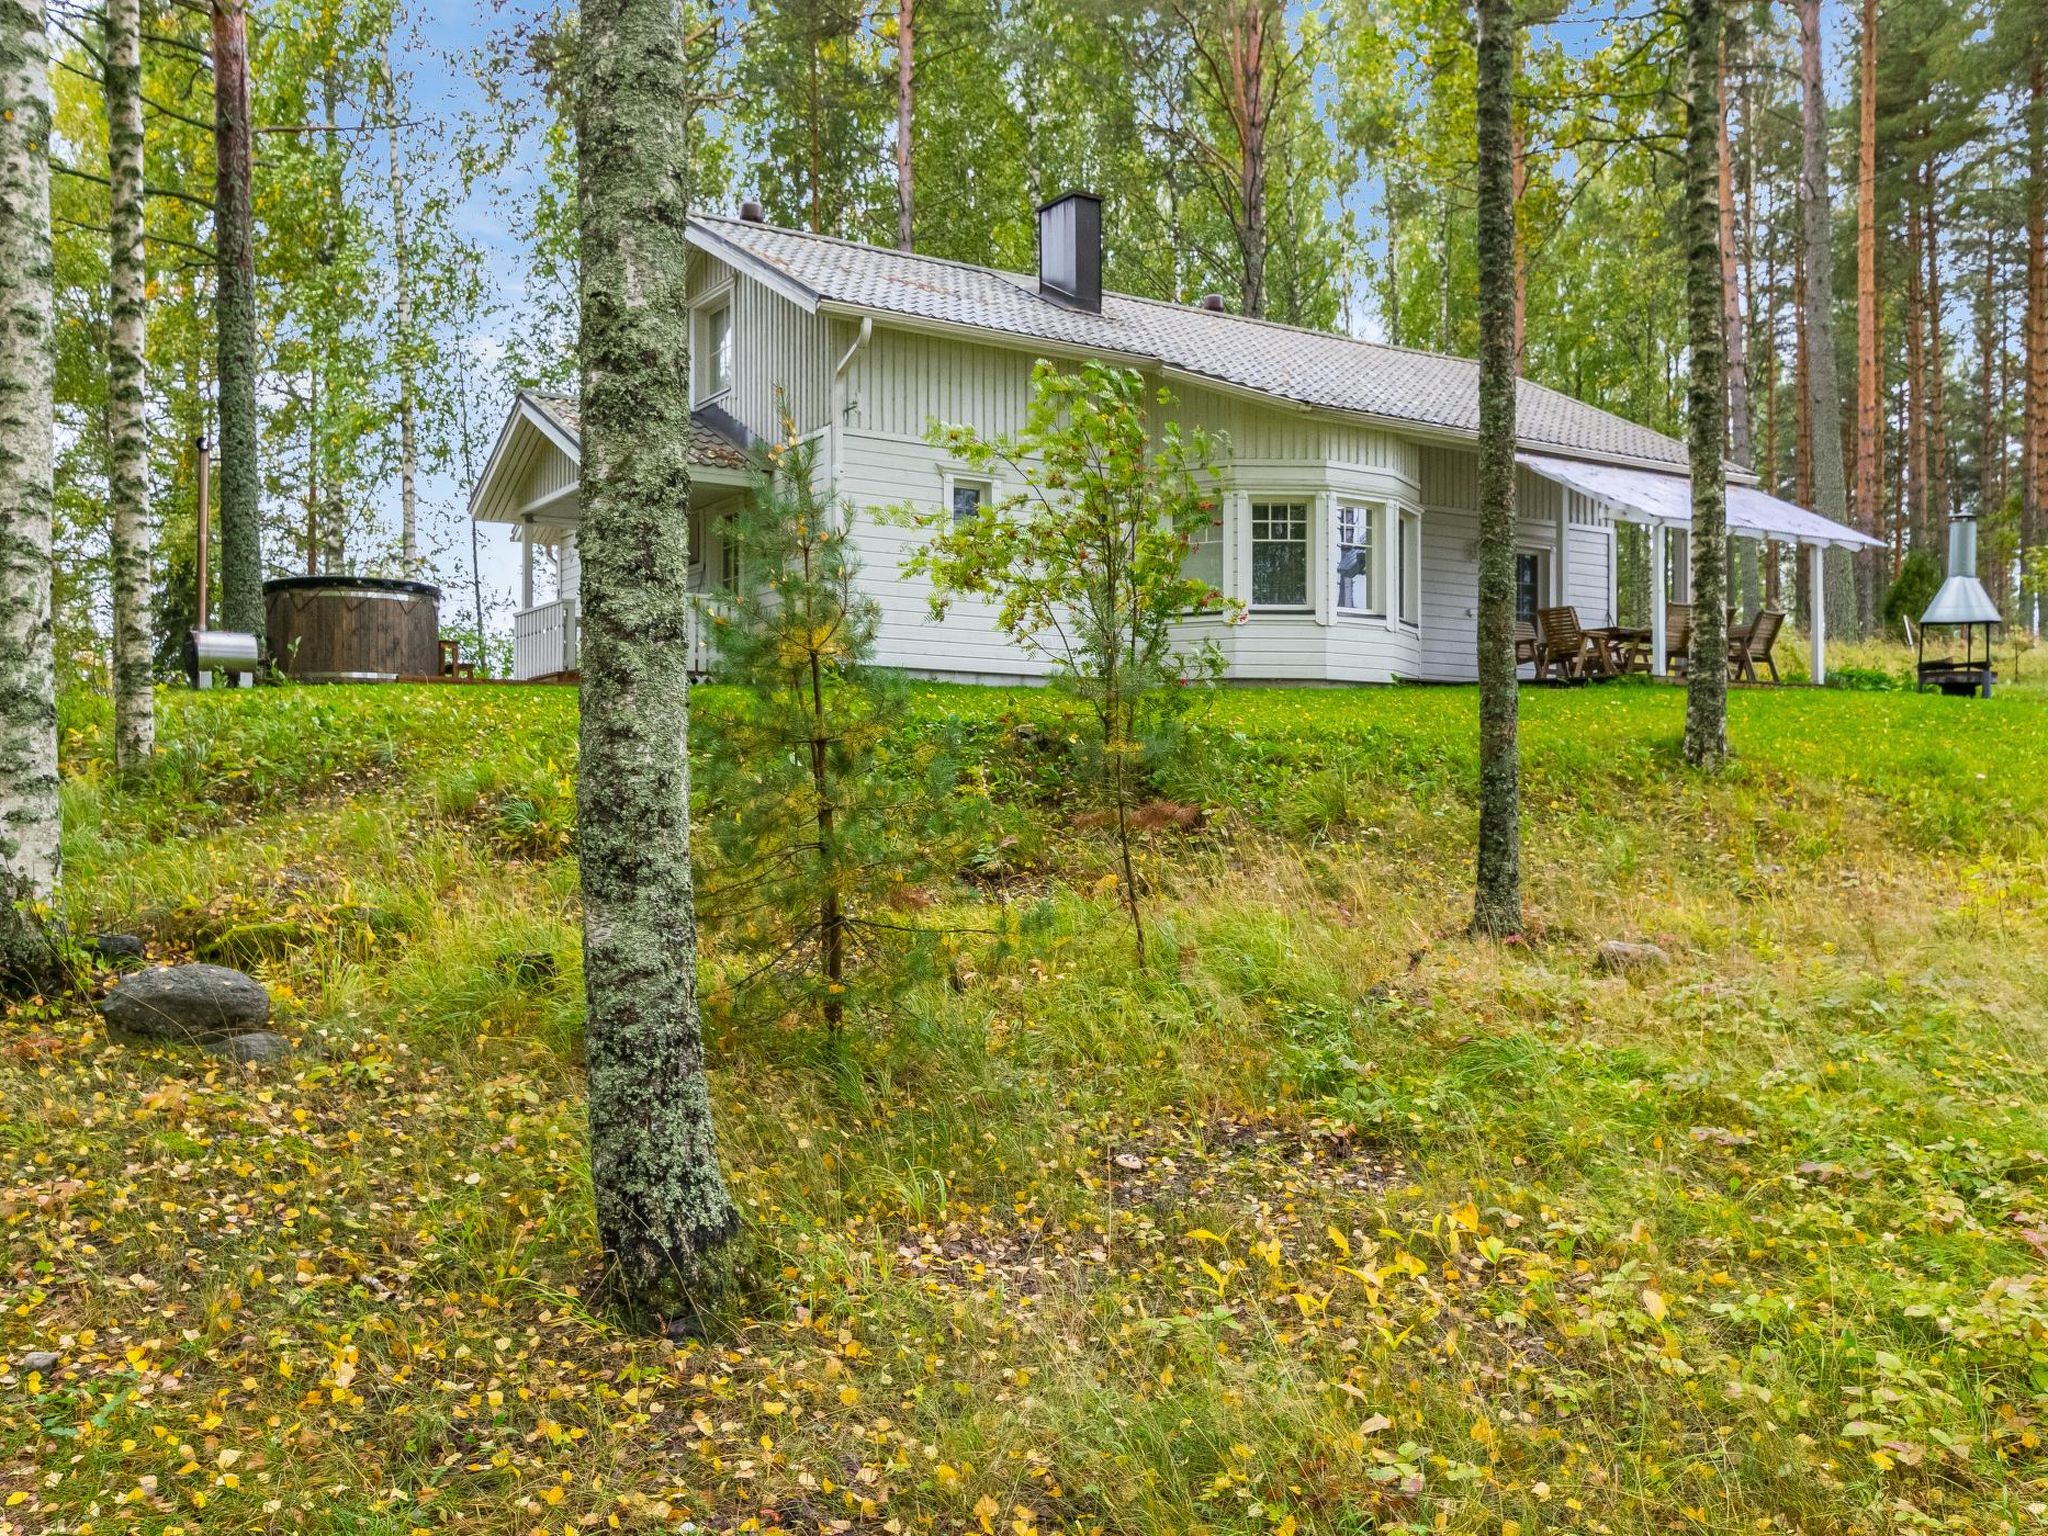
<point>1349,529</point>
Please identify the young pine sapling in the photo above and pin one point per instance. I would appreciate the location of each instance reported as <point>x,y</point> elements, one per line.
<point>1086,556</point>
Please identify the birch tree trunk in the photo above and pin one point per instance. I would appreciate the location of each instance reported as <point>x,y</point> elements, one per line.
<point>133,525</point>
<point>1823,396</point>
<point>1497,906</point>
<point>662,1206</point>
<point>401,272</point>
<point>241,529</point>
<point>906,27</point>
<point>1706,683</point>
<point>29,842</point>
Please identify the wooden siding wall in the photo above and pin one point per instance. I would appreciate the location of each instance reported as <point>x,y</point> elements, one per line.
<point>1450,571</point>
<point>775,345</point>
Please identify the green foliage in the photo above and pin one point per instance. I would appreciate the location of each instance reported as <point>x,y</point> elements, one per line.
<point>827,813</point>
<point>1911,591</point>
<point>1086,559</point>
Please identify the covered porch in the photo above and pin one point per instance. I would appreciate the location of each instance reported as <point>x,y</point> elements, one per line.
<point>1662,505</point>
<point>529,486</point>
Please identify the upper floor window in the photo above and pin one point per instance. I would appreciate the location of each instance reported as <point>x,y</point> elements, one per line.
<point>1279,554</point>
<point>714,351</point>
<point>1357,590</point>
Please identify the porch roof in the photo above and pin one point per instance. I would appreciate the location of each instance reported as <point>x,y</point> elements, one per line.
<point>1641,496</point>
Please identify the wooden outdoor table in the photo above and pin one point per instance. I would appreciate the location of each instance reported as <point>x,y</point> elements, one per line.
<point>1628,646</point>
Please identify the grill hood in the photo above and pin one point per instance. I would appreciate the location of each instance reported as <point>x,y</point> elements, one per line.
<point>1962,598</point>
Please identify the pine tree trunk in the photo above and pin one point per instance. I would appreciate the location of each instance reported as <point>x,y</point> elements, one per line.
<point>401,274</point>
<point>1497,907</point>
<point>133,526</point>
<point>1869,356</point>
<point>29,841</point>
<point>1913,472</point>
<point>1937,392</point>
<point>2034,343</point>
<point>1706,689</point>
<point>905,58</point>
<point>1823,396</point>
<point>1991,449</point>
<point>241,529</point>
<point>663,1210</point>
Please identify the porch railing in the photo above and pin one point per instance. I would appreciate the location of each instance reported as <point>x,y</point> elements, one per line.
<point>544,638</point>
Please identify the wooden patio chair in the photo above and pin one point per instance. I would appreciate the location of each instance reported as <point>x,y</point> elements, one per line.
<point>1754,645</point>
<point>1567,646</point>
<point>1528,649</point>
<point>452,664</point>
<point>1677,637</point>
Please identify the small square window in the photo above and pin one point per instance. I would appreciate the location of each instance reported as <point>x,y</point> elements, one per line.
<point>714,352</point>
<point>969,497</point>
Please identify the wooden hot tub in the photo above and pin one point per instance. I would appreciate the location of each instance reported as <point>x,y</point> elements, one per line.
<point>352,629</point>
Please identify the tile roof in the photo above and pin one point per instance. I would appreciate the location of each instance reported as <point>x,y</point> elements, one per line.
<point>1312,368</point>
<point>717,441</point>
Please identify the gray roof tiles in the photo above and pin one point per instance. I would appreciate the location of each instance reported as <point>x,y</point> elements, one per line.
<point>716,439</point>
<point>1312,368</point>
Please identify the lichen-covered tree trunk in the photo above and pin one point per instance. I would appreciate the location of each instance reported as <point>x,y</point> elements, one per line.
<point>29,853</point>
<point>1497,907</point>
<point>662,1205</point>
<point>1706,688</point>
<point>234,308</point>
<point>1822,396</point>
<point>134,527</point>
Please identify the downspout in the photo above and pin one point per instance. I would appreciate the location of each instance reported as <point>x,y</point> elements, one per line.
<point>841,406</point>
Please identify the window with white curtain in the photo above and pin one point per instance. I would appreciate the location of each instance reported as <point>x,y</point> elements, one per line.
<point>1357,578</point>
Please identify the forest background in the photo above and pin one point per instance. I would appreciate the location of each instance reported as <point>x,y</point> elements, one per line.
<point>1312,162</point>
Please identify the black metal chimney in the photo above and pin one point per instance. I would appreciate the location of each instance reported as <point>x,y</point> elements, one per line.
<point>1070,251</point>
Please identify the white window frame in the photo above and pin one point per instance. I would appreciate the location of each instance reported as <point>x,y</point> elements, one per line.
<point>703,355</point>
<point>1373,515</point>
<point>1408,567</point>
<point>1306,504</point>
<point>952,479</point>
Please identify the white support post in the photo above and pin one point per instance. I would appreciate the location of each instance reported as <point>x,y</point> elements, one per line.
<point>1817,661</point>
<point>1657,599</point>
<point>526,567</point>
<point>1561,566</point>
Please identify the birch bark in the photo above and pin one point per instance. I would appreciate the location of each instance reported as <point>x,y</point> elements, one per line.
<point>133,522</point>
<point>29,842</point>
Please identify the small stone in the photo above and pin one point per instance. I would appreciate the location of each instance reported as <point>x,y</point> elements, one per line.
<point>190,1003</point>
<point>1619,958</point>
<point>258,1048</point>
<point>39,1362</point>
<point>1130,1162</point>
<point>118,949</point>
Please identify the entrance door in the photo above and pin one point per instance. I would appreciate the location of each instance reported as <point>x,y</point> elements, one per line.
<point>1528,585</point>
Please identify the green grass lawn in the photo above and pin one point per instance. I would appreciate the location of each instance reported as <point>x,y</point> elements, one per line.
<point>1332,1221</point>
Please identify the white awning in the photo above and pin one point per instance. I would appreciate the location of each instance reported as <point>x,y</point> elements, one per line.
<point>1643,496</point>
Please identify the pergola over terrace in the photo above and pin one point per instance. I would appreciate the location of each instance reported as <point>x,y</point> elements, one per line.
<point>1662,502</point>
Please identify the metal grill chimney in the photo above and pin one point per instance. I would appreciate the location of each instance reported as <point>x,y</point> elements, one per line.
<point>1070,251</point>
<point>1962,598</point>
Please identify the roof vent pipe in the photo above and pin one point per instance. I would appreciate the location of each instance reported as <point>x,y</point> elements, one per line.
<point>1213,302</point>
<point>751,213</point>
<point>1070,251</point>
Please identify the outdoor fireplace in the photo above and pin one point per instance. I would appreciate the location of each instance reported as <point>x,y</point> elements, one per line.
<point>1961,604</point>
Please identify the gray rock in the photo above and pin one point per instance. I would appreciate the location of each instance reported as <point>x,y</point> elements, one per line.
<point>260,1047</point>
<point>39,1362</point>
<point>194,1003</point>
<point>1619,958</point>
<point>119,949</point>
